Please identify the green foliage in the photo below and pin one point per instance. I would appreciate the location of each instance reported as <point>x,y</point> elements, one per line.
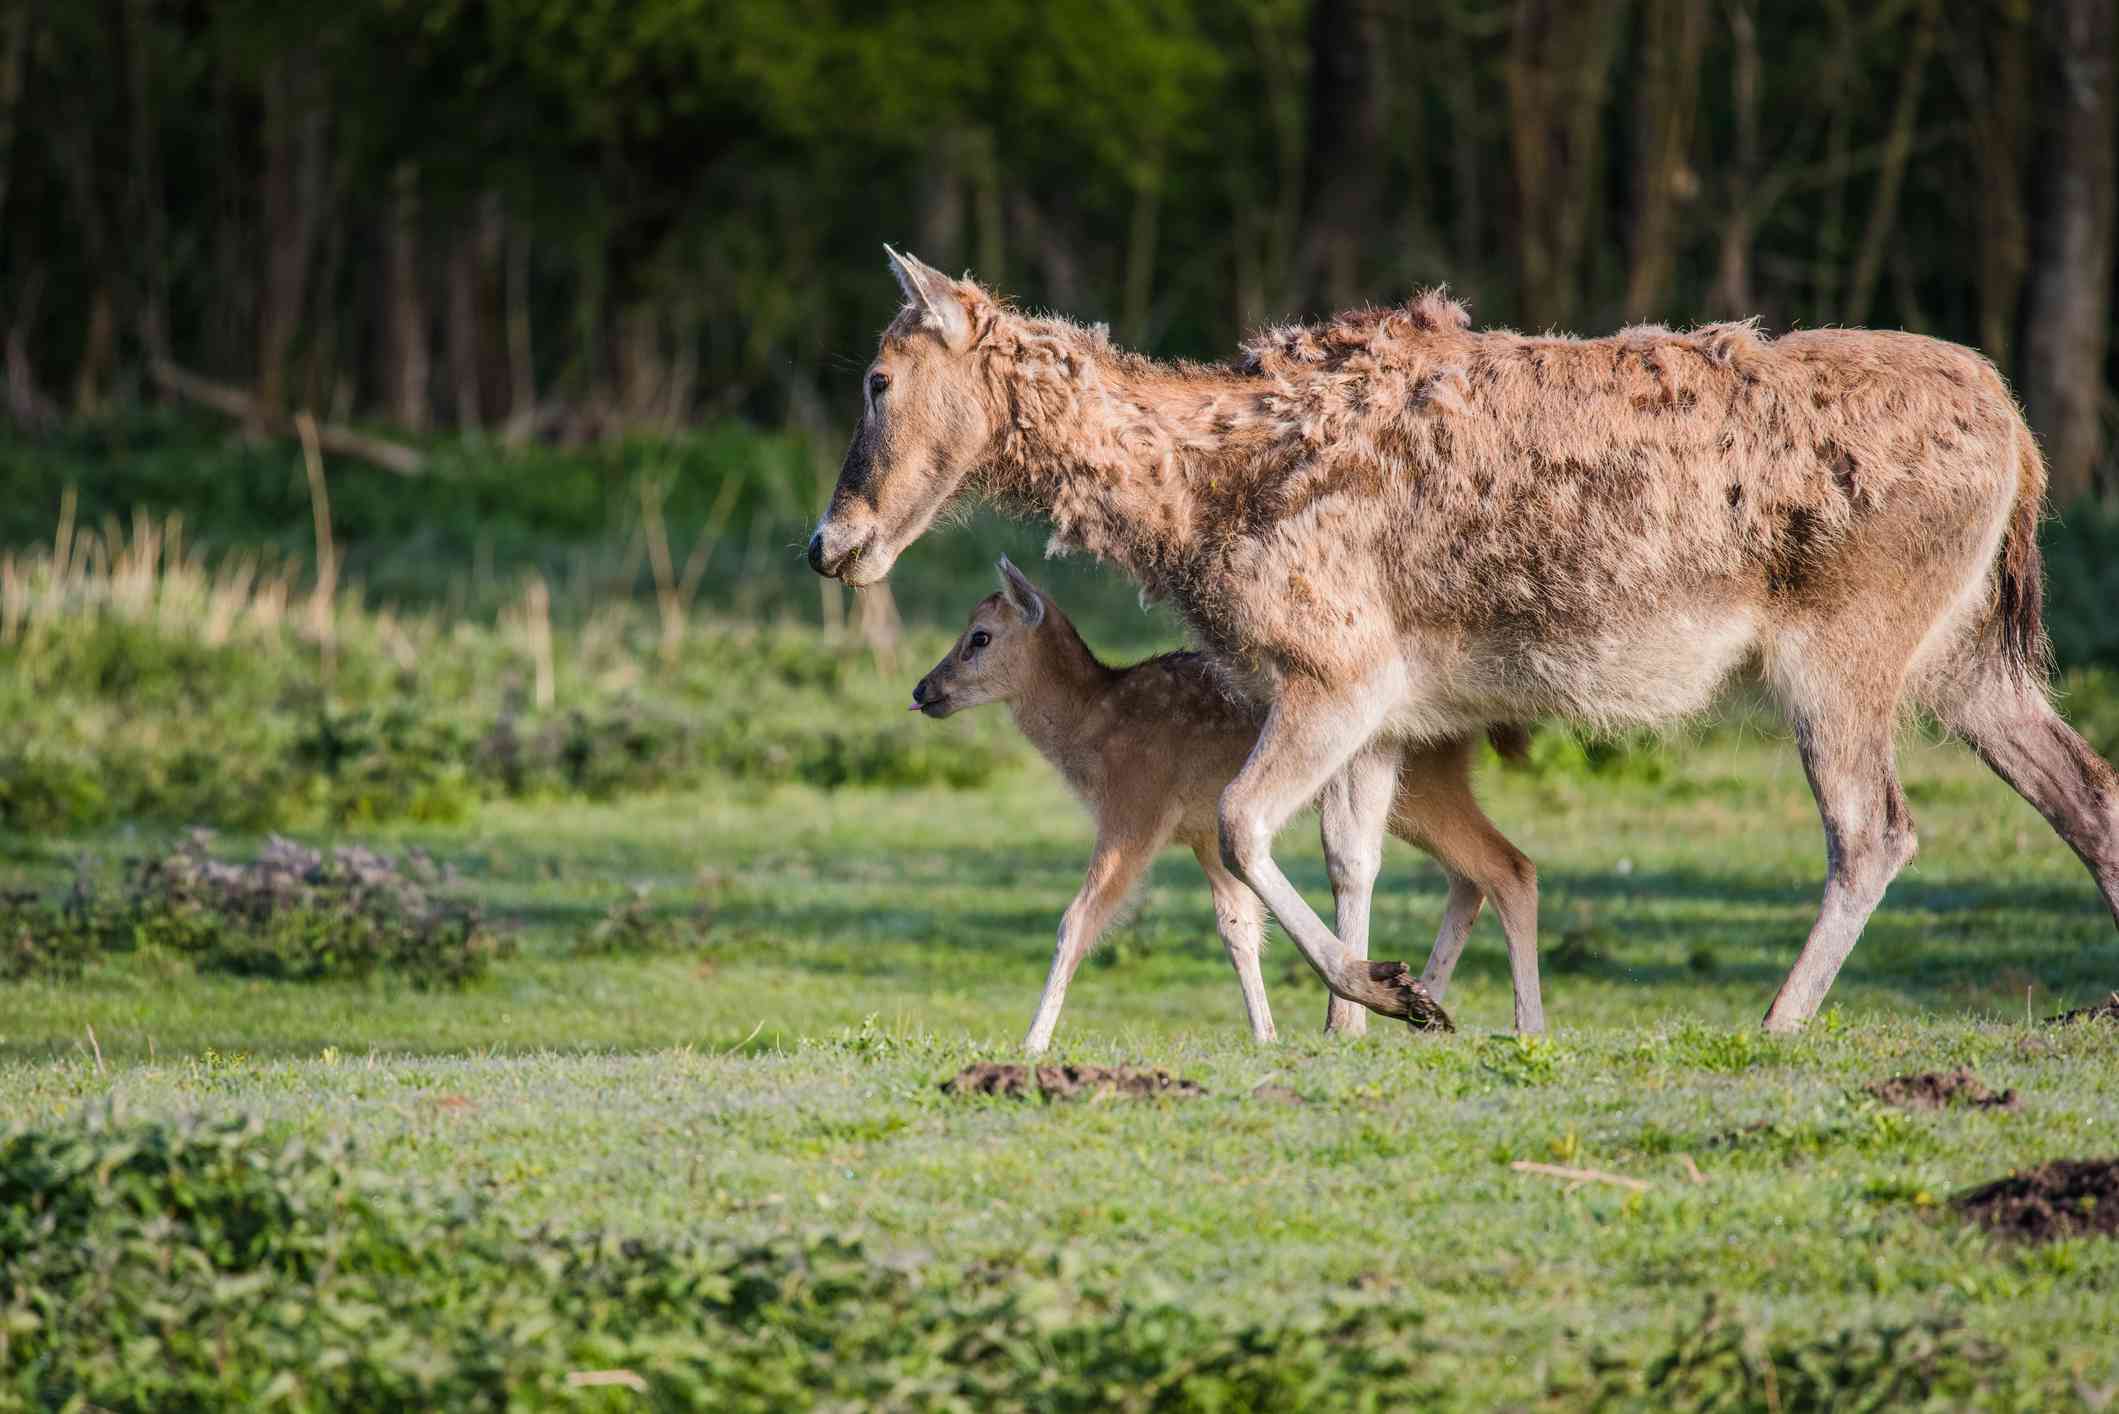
<point>116,717</point>
<point>1723,1364</point>
<point>2081,586</point>
<point>39,939</point>
<point>211,1264</point>
<point>1524,1060</point>
<point>478,511</point>
<point>1724,1050</point>
<point>2089,698</point>
<point>1561,752</point>
<point>292,913</point>
<point>634,926</point>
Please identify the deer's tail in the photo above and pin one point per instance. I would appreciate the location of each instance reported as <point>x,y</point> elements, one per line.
<point>2019,572</point>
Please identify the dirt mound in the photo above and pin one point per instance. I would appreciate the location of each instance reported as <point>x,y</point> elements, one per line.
<point>2064,1198</point>
<point>2106,1010</point>
<point>1068,1082</point>
<point>1935,1090</point>
<point>1277,1095</point>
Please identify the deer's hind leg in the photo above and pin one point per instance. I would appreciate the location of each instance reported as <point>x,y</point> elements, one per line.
<point>2005,716</point>
<point>1241,920</point>
<point>1844,730</point>
<point>1435,810</point>
<point>1122,856</point>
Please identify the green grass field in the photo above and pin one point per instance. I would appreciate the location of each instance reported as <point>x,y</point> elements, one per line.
<point>865,944</point>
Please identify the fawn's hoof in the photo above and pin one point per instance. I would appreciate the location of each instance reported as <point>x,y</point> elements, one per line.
<point>1409,997</point>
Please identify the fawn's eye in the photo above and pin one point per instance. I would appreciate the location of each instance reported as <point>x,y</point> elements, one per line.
<point>877,382</point>
<point>980,640</point>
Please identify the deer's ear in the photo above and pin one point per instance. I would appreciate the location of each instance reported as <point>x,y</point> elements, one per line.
<point>934,295</point>
<point>1022,594</point>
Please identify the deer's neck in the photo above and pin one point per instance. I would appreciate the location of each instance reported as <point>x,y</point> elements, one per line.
<point>1130,461</point>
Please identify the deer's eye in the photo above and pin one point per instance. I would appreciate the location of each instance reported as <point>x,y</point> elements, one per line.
<point>878,381</point>
<point>980,640</point>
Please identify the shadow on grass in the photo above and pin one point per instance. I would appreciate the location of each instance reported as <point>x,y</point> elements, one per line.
<point>1934,944</point>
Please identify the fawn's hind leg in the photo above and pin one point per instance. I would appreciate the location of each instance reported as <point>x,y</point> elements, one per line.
<point>1436,811</point>
<point>1114,868</point>
<point>1241,920</point>
<point>1350,820</point>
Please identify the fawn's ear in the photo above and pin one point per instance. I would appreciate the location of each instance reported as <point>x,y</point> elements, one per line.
<point>1022,594</point>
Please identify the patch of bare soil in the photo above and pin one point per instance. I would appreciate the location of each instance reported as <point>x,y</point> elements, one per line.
<point>1936,1090</point>
<point>2106,1010</point>
<point>1069,1082</point>
<point>1277,1095</point>
<point>2064,1198</point>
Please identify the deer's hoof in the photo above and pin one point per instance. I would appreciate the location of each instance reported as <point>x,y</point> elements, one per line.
<point>1409,997</point>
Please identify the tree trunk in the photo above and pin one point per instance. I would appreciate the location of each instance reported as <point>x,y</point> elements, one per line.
<point>14,49</point>
<point>941,216</point>
<point>1992,61</point>
<point>682,382</point>
<point>231,315</point>
<point>1559,59</point>
<point>1467,156</point>
<point>1898,149</point>
<point>1733,297</point>
<point>291,191</point>
<point>99,349</point>
<point>1673,34</point>
<point>150,208</point>
<point>1343,167</point>
<point>26,403</point>
<point>1835,85</point>
<point>320,377</point>
<point>987,205</point>
<point>522,363</point>
<point>466,403</point>
<point>641,372</point>
<point>2068,306</point>
<point>494,377</point>
<point>1141,233</point>
<point>405,367</point>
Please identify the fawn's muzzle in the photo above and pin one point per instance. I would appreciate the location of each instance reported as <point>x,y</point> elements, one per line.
<point>929,699</point>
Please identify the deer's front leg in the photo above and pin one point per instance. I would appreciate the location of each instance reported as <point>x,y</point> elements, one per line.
<point>1113,870</point>
<point>1310,735</point>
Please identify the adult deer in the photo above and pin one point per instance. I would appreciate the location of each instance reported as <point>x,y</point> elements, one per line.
<point>1398,529</point>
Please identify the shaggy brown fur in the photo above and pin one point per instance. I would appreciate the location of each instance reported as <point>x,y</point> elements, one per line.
<point>1150,748</point>
<point>1397,529</point>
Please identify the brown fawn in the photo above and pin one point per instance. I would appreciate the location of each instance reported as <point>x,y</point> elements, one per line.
<point>1149,750</point>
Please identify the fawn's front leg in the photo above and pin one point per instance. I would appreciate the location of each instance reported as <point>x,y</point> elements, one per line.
<point>1114,868</point>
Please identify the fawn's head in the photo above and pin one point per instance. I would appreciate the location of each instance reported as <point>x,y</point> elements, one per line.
<point>995,659</point>
<point>926,422</point>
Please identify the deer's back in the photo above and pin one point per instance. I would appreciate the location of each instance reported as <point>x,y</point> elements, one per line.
<point>1603,528</point>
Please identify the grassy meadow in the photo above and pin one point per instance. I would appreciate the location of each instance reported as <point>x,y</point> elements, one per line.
<point>703,1160</point>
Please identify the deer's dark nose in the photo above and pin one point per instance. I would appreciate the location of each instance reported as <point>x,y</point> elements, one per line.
<point>816,552</point>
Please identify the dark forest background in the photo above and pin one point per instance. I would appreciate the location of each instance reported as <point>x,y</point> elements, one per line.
<point>546,223</point>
